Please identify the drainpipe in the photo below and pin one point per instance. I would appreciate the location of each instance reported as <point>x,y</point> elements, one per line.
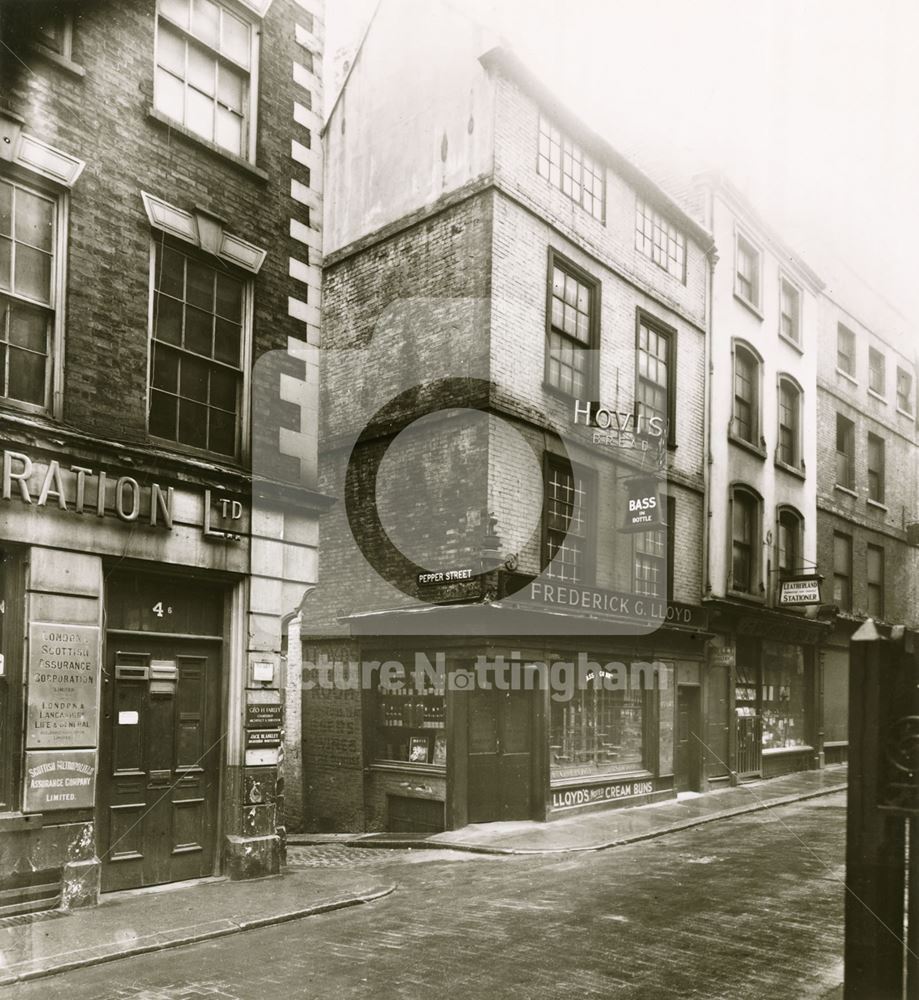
<point>707,406</point>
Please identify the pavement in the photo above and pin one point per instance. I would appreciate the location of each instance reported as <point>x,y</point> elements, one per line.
<point>152,920</point>
<point>610,827</point>
<point>133,923</point>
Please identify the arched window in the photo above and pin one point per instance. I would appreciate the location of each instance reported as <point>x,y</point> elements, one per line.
<point>745,549</point>
<point>789,541</point>
<point>745,424</point>
<point>788,451</point>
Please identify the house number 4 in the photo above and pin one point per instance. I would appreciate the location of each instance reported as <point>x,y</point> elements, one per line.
<point>159,610</point>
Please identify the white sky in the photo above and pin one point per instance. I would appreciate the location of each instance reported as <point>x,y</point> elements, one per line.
<point>810,106</point>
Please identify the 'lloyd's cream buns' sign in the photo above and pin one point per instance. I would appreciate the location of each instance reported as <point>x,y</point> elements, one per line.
<point>59,779</point>
<point>63,686</point>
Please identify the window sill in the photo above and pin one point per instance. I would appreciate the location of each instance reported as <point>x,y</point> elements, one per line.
<point>747,304</point>
<point>905,413</point>
<point>390,766</point>
<point>791,470</point>
<point>586,780</point>
<point>777,751</point>
<point>846,490</point>
<point>847,376</point>
<point>12,821</point>
<point>876,395</point>
<point>791,343</point>
<point>62,62</point>
<point>877,504</point>
<point>747,446</point>
<point>212,147</point>
<point>192,452</point>
<point>742,595</point>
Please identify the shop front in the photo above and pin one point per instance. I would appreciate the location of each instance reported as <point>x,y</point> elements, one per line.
<point>770,669</point>
<point>519,726</point>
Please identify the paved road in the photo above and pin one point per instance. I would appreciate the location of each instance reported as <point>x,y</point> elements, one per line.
<point>741,909</point>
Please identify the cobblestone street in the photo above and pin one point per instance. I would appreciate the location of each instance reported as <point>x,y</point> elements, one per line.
<point>748,908</point>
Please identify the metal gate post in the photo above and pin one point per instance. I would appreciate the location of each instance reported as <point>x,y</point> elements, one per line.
<point>875,844</point>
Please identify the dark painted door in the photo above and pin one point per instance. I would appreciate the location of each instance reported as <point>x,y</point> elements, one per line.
<point>688,765</point>
<point>159,762</point>
<point>500,741</point>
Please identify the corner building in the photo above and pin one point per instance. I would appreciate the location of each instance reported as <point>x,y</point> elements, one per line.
<point>159,300</point>
<point>495,271</point>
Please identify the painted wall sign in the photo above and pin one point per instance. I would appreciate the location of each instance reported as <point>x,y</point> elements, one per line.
<point>573,798</point>
<point>722,656</point>
<point>63,686</point>
<point>59,779</point>
<point>263,716</point>
<point>614,604</point>
<point>804,590</point>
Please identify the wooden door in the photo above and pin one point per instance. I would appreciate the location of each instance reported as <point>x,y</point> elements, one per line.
<point>688,763</point>
<point>500,742</point>
<point>159,761</point>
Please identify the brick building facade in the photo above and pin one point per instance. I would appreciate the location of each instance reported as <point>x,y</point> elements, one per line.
<point>495,272</point>
<point>867,479</point>
<point>160,229</point>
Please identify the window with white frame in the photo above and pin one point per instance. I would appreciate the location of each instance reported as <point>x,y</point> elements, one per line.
<point>655,378</point>
<point>652,569</point>
<point>745,424</point>
<point>29,260</point>
<point>745,518</point>
<point>198,336</point>
<point>845,452</point>
<point>660,240</point>
<point>845,350</point>
<point>566,521</point>
<point>788,542</point>
<point>876,463</point>
<point>205,55</point>
<point>567,166</point>
<point>877,372</point>
<point>904,391</point>
<point>747,266</point>
<point>571,328</point>
<point>789,430</point>
<point>790,311</point>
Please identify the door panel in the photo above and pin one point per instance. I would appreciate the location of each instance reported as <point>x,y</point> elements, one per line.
<point>160,758</point>
<point>500,783</point>
<point>688,763</point>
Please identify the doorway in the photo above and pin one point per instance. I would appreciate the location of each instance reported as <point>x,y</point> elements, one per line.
<point>688,758</point>
<point>500,751</point>
<point>159,760</point>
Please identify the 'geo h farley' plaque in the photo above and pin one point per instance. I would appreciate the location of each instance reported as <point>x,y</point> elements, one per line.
<point>63,686</point>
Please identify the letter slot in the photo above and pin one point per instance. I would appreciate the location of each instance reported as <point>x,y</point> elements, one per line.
<point>131,667</point>
<point>164,675</point>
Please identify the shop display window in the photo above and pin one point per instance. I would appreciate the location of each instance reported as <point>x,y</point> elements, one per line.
<point>783,696</point>
<point>411,721</point>
<point>597,731</point>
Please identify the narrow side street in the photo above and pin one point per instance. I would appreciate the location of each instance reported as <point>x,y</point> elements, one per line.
<point>748,908</point>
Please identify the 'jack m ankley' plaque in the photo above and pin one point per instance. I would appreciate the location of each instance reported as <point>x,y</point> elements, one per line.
<point>63,686</point>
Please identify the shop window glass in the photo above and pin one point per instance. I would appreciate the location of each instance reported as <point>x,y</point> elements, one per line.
<point>783,696</point>
<point>598,731</point>
<point>411,720</point>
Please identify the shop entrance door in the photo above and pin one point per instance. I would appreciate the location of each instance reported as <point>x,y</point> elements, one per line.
<point>159,760</point>
<point>688,763</point>
<point>500,741</point>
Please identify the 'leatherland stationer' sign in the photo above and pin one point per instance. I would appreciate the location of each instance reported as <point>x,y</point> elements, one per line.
<point>63,685</point>
<point>802,590</point>
<point>59,779</point>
